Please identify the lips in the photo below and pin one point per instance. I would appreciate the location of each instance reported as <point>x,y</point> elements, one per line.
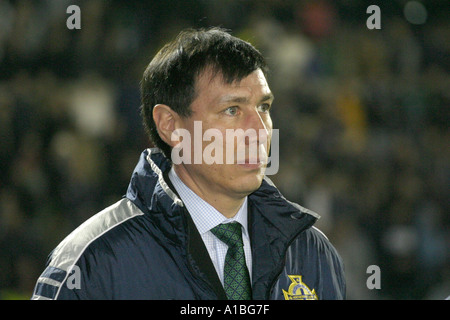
<point>251,163</point>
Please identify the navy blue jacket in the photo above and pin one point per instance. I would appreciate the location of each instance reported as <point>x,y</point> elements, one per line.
<point>146,246</point>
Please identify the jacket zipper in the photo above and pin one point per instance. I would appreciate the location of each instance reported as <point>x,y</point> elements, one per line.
<point>277,275</point>
<point>205,284</point>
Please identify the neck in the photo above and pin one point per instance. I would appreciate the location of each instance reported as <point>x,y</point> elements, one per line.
<point>226,203</point>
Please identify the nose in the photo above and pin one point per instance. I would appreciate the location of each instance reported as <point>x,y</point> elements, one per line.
<point>262,126</point>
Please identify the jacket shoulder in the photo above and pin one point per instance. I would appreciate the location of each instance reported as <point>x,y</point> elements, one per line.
<point>63,259</point>
<point>316,241</point>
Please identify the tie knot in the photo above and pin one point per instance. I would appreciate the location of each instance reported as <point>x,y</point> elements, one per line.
<point>229,233</point>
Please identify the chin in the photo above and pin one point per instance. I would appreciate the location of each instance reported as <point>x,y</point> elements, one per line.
<point>248,185</point>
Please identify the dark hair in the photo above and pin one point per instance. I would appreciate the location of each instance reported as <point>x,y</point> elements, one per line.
<point>171,76</point>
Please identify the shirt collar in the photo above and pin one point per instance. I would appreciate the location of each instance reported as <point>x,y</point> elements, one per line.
<point>204,215</point>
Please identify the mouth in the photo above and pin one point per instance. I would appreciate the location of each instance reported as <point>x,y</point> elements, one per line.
<point>251,164</point>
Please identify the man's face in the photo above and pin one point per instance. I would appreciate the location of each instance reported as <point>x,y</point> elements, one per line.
<point>226,108</point>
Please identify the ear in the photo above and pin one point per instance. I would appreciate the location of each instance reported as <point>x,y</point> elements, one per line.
<point>165,120</point>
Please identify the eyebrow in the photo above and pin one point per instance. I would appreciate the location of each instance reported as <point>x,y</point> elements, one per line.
<point>242,99</point>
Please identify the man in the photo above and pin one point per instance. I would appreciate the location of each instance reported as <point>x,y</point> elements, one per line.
<point>199,229</point>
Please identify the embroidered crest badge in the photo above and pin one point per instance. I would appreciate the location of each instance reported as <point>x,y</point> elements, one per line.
<point>298,290</point>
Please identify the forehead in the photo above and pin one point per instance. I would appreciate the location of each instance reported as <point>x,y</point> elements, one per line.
<point>213,88</point>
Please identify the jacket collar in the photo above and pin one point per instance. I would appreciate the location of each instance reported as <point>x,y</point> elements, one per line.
<point>149,191</point>
<point>286,216</point>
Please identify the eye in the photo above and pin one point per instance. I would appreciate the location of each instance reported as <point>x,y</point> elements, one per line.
<point>265,107</point>
<point>231,111</point>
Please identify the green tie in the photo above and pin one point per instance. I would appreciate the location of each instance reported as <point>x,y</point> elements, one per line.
<point>236,278</point>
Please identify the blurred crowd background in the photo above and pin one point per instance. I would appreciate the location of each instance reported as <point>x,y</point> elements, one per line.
<point>363,118</point>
